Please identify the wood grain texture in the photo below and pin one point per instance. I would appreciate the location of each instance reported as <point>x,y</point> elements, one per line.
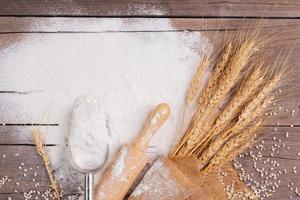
<point>26,172</point>
<point>283,192</point>
<point>277,153</point>
<point>93,24</point>
<point>21,196</point>
<point>169,8</point>
<point>22,135</point>
<point>15,141</point>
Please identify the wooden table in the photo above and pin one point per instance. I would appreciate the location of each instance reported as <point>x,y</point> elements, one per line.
<point>205,16</point>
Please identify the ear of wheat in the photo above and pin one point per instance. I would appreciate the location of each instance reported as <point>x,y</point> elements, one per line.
<point>207,91</point>
<point>246,90</point>
<point>232,103</point>
<point>195,85</point>
<point>247,116</point>
<point>226,74</point>
<point>232,148</point>
<point>41,151</point>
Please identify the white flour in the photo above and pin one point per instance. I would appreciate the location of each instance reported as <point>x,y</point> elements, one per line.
<point>131,71</point>
<point>159,184</point>
<point>88,139</point>
<point>119,166</point>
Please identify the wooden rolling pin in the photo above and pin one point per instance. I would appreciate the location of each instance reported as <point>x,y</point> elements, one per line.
<point>131,159</point>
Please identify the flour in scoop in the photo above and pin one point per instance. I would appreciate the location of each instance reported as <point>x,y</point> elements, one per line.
<point>88,138</point>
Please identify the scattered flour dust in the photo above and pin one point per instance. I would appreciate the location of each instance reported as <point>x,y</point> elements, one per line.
<point>159,183</point>
<point>131,72</point>
<point>88,138</point>
<point>119,166</point>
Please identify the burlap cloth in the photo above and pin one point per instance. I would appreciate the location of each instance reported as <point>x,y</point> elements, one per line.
<point>179,179</point>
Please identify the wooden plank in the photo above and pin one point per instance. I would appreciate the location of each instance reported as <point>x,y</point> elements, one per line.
<point>22,135</point>
<point>92,24</point>
<point>66,24</point>
<point>285,179</point>
<point>33,196</point>
<point>284,140</point>
<point>268,134</point>
<point>279,153</point>
<point>141,8</point>
<point>25,171</point>
<point>11,135</point>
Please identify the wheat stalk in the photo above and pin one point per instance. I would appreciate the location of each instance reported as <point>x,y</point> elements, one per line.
<point>193,89</point>
<point>232,148</point>
<point>232,73</point>
<point>230,76</point>
<point>218,69</point>
<point>247,89</point>
<point>218,142</point>
<point>195,85</point>
<point>41,151</point>
<point>253,110</point>
<point>207,91</point>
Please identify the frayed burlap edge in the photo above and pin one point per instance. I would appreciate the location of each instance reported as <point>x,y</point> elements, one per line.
<point>179,179</point>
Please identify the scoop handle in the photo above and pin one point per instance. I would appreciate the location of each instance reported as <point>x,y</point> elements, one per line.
<point>155,120</point>
<point>89,185</point>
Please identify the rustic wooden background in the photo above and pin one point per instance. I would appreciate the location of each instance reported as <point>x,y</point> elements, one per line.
<point>206,16</point>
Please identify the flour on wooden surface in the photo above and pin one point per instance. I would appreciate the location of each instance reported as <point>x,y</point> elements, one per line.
<point>131,71</point>
<point>119,166</point>
<point>158,183</point>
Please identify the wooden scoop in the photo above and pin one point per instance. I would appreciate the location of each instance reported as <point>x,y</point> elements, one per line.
<point>131,159</point>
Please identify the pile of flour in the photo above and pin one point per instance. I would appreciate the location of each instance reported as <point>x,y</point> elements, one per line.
<point>88,139</point>
<point>131,71</point>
